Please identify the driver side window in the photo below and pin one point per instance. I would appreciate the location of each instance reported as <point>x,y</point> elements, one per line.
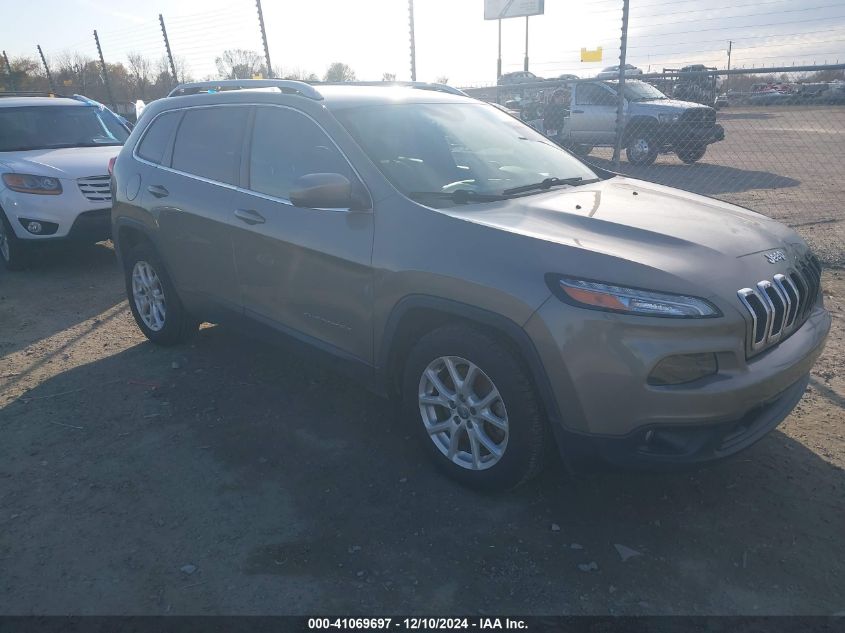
<point>287,145</point>
<point>593,94</point>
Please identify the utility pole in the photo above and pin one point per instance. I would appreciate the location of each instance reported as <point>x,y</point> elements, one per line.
<point>727,77</point>
<point>46,69</point>
<point>264,39</point>
<point>413,42</point>
<point>9,70</point>
<point>525,63</point>
<point>620,103</point>
<point>167,48</point>
<point>499,60</point>
<point>105,70</point>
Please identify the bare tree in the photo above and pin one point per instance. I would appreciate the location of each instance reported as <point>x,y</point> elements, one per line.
<point>78,71</point>
<point>140,73</point>
<point>298,74</point>
<point>442,79</point>
<point>239,63</point>
<point>339,72</point>
<point>388,77</point>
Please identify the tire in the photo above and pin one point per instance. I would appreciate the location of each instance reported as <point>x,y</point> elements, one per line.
<point>642,148</point>
<point>580,149</point>
<point>522,444</point>
<point>14,252</point>
<point>168,326</point>
<point>689,155</point>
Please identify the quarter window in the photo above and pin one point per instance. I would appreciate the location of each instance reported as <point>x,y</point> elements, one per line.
<point>155,141</point>
<point>209,141</point>
<point>287,145</point>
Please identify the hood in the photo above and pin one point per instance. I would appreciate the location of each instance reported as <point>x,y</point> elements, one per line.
<point>66,162</point>
<point>652,225</point>
<point>666,105</point>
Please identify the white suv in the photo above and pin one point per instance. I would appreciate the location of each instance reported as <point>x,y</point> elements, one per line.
<point>54,182</point>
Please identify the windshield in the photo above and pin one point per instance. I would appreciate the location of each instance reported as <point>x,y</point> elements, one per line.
<point>641,91</point>
<point>445,147</point>
<point>45,127</point>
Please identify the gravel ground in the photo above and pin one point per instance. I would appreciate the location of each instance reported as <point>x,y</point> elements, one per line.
<point>227,477</point>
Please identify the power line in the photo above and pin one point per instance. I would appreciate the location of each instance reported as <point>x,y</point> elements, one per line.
<point>749,15</point>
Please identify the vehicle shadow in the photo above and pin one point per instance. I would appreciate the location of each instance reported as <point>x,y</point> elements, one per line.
<point>742,116</point>
<point>87,279</point>
<point>703,178</point>
<point>289,489</point>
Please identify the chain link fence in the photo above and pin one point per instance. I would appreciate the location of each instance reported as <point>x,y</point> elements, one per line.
<point>770,140</point>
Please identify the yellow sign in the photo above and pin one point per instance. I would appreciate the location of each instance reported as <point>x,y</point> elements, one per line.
<point>258,76</point>
<point>591,56</point>
<point>67,82</point>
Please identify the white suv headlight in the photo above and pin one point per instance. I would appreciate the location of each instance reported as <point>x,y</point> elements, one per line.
<point>599,296</point>
<point>27,183</point>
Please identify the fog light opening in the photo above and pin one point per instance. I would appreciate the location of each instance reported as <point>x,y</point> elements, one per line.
<point>34,227</point>
<point>683,368</point>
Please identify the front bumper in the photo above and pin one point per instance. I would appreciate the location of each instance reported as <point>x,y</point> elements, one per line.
<point>598,365</point>
<point>684,134</point>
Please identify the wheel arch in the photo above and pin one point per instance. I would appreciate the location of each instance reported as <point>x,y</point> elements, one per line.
<point>128,233</point>
<point>637,123</point>
<point>416,315</point>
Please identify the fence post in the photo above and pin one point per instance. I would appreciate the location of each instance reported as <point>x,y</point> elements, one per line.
<point>167,48</point>
<point>413,43</point>
<point>46,69</point>
<point>620,103</point>
<point>264,39</point>
<point>105,70</point>
<point>9,70</point>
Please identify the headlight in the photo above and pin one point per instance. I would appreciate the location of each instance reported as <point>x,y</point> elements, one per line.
<point>668,118</point>
<point>599,296</point>
<point>26,183</point>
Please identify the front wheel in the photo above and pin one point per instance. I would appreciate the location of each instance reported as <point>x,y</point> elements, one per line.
<point>13,250</point>
<point>474,408</point>
<point>642,149</point>
<point>579,149</point>
<point>157,309</point>
<point>689,155</point>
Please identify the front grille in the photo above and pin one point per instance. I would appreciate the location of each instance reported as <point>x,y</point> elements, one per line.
<point>701,116</point>
<point>780,306</point>
<point>95,188</point>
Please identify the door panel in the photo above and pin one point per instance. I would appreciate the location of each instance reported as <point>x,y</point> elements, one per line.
<point>306,270</point>
<point>593,115</point>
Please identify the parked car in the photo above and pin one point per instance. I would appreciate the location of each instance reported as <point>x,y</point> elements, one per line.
<point>54,182</point>
<point>654,123</point>
<point>519,77</point>
<point>567,77</point>
<point>612,72</point>
<point>451,257</point>
<point>722,101</point>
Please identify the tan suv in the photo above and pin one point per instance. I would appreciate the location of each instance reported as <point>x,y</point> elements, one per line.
<point>450,256</point>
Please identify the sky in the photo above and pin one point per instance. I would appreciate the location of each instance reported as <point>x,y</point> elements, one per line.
<point>452,38</point>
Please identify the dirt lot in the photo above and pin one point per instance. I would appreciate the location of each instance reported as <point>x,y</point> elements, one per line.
<point>226,477</point>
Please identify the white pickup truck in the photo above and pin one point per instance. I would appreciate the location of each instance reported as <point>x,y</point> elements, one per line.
<point>654,123</point>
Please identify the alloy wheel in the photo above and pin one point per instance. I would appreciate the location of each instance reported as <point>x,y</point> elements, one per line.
<point>148,294</point>
<point>5,249</point>
<point>463,413</point>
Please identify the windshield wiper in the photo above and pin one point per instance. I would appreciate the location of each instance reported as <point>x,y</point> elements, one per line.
<point>544,184</point>
<point>459,196</point>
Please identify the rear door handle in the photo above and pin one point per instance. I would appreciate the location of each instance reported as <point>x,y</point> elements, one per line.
<point>158,191</point>
<point>249,216</point>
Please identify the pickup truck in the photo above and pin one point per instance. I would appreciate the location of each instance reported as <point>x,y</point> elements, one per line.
<point>654,123</point>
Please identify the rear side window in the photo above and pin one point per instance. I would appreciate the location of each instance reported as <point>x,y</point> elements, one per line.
<point>157,137</point>
<point>287,145</point>
<point>209,141</point>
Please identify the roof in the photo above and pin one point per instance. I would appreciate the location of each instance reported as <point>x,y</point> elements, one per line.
<point>339,96</point>
<point>17,102</point>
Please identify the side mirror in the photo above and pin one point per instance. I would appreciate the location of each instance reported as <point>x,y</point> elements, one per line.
<point>326,191</point>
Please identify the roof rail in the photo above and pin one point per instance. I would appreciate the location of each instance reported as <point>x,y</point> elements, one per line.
<point>29,93</point>
<point>284,85</point>
<point>419,85</point>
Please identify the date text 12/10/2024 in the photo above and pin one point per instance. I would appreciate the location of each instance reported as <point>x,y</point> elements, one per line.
<point>413,624</point>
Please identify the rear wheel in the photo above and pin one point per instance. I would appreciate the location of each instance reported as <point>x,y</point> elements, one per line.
<point>579,149</point>
<point>474,408</point>
<point>157,309</point>
<point>691,154</point>
<point>13,250</point>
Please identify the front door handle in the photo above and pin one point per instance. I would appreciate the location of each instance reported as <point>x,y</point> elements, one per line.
<point>577,112</point>
<point>158,191</point>
<point>249,216</point>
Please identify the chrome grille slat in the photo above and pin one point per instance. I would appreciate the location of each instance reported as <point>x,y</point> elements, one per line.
<point>95,188</point>
<point>780,306</point>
